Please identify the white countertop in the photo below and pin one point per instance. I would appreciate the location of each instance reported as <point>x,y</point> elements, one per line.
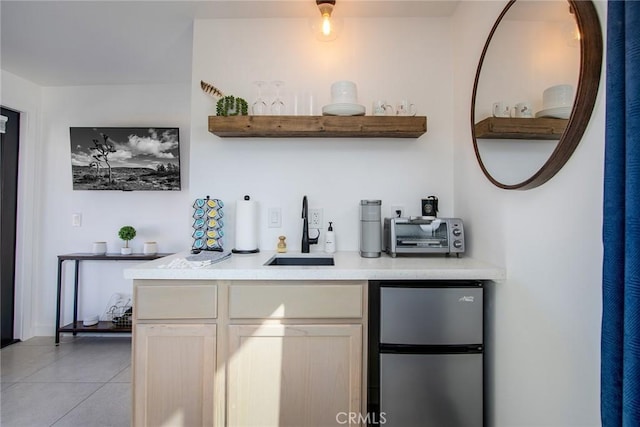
<point>348,266</point>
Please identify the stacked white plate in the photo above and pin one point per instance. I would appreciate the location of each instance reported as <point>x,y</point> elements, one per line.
<point>344,91</point>
<point>343,109</point>
<point>556,102</point>
<point>344,100</point>
<point>555,113</point>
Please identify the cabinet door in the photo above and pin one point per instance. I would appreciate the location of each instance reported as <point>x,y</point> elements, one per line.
<point>293,375</point>
<point>174,374</point>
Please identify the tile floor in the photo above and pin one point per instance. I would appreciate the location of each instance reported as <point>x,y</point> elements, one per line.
<point>85,381</point>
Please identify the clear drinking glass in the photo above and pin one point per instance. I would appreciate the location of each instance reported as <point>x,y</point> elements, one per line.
<point>259,107</point>
<point>277,106</point>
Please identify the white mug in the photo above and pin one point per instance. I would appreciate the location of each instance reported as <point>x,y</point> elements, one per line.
<point>522,109</point>
<point>150,248</point>
<point>381,108</point>
<point>99,248</point>
<point>500,109</point>
<point>405,108</point>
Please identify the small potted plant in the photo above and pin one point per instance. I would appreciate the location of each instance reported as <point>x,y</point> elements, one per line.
<point>232,106</point>
<point>126,233</point>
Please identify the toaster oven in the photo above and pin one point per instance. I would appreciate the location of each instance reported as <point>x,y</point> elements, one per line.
<point>423,235</point>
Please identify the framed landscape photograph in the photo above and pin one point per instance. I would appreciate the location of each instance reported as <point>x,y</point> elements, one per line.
<point>125,158</point>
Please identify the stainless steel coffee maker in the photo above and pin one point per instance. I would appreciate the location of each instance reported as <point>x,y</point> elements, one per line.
<point>370,228</point>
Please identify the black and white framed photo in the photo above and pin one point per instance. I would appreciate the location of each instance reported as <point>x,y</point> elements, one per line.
<point>125,158</point>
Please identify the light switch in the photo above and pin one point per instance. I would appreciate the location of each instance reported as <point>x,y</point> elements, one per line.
<point>275,218</point>
<point>76,219</point>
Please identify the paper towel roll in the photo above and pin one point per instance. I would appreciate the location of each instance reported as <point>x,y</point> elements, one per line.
<point>246,226</point>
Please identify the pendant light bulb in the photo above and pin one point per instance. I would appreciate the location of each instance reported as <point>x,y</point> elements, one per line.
<point>327,28</point>
<point>326,24</point>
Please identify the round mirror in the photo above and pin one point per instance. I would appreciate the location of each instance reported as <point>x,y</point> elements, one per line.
<point>535,89</point>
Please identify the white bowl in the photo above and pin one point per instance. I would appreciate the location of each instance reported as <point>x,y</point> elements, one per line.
<point>90,321</point>
<point>344,91</point>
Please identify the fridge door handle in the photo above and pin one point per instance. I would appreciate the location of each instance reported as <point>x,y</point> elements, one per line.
<point>430,349</point>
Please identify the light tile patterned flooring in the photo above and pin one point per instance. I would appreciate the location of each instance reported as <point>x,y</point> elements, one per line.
<point>85,381</point>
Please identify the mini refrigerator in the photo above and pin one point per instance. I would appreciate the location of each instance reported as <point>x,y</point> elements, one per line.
<point>426,353</point>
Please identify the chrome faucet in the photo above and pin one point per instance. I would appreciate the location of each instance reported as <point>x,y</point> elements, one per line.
<point>306,241</point>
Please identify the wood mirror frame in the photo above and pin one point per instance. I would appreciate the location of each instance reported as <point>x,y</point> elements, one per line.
<point>587,89</point>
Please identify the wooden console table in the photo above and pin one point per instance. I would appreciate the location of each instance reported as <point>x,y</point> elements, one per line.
<point>76,326</point>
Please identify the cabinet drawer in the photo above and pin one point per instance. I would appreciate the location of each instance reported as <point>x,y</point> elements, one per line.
<point>312,300</point>
<point>176,302</point>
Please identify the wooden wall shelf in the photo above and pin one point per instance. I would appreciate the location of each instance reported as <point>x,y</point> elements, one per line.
<point>318,126</point>
<point>520,128</point>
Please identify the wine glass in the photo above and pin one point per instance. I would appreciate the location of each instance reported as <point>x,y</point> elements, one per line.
<point>259,107</point>
<point>277,106</point>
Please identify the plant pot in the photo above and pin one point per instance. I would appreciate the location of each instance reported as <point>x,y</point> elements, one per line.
<point>99,248</point>
<point>126,251</point>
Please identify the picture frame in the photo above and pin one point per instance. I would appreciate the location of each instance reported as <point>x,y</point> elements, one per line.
<point>125,158</point>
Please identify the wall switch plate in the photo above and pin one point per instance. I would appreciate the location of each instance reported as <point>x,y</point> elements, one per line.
<point>76,219</point>
<point>315,218</point>
<point>274,218</point>
<point>395,209</point>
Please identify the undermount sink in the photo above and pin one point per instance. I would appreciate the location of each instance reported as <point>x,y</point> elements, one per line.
<point>300,260</point>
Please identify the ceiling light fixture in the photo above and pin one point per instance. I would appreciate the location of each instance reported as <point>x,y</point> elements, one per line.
<point>326,28</point>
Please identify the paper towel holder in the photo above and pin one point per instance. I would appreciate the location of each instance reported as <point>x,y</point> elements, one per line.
<point>244,251</point>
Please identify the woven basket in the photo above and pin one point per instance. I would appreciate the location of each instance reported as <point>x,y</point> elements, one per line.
<point>119,310</point>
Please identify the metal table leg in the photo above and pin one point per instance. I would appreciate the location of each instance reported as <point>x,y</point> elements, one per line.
<point>75,297</point>
<point>60,261</point>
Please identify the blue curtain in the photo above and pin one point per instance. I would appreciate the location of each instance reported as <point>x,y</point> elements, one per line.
<point>620,366</point>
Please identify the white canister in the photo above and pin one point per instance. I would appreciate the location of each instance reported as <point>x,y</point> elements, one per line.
<point>150,248</point>
<point>99,248</point>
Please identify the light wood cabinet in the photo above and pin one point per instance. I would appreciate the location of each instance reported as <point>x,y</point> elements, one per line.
<point>247,353</point>
<point>174,353</point>
<point>293,375</point>
<point>174,367</point>
<point>294,352</point>
<point>301,300</point>
<point>176,302</point>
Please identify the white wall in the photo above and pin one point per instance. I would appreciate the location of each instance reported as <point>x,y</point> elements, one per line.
<point>544,323</point>
<point>335,173</point>
<point>161,216</point>
<point>387,58</point>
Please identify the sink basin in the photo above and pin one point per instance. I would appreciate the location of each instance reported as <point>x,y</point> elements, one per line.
<point>300,260</point>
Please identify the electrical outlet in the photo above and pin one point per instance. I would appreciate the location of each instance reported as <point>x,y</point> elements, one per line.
<point>397,211</point>
<point>315,218</point>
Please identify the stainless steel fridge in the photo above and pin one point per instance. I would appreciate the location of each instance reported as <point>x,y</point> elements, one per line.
<point>425,353</point>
